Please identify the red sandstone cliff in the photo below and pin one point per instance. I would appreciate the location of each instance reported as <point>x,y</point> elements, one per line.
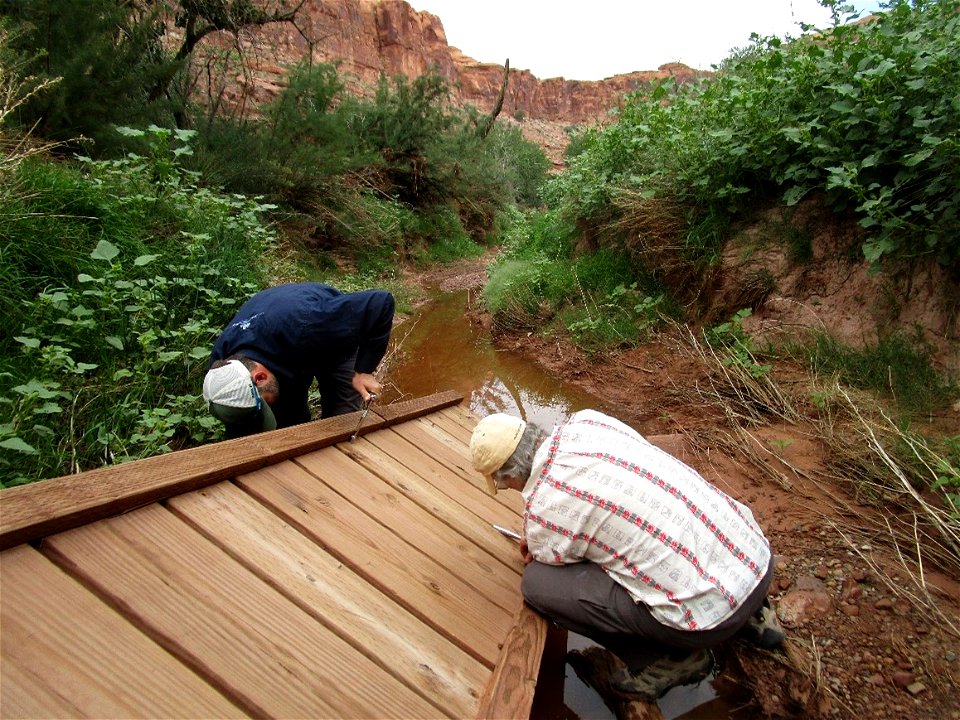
<point>370,37</point>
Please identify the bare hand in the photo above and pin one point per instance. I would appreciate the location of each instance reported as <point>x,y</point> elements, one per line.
<point>525,552</point>
<point>365,384</point>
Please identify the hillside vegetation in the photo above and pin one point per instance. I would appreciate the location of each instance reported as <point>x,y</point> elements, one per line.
<point>133,218</point>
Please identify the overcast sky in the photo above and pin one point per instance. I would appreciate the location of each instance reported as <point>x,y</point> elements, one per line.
<point>594,39</point>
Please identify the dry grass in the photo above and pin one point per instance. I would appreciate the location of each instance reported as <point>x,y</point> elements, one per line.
<point>864,450</point>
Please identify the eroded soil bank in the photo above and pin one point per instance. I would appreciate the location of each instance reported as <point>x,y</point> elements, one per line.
<point>870,633</point>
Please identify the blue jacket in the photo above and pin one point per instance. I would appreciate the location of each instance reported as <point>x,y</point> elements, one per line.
<point>302,330</point>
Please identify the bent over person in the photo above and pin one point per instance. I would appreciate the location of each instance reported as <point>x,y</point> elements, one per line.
<point>281,339</point>
<point>630,547</point>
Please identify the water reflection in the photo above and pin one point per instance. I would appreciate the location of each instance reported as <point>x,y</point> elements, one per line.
<point>439,349</point>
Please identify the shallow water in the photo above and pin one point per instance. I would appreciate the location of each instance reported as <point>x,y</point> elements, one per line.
<point>439,349</point>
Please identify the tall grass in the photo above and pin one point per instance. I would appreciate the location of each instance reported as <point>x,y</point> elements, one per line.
<point>895,367</point>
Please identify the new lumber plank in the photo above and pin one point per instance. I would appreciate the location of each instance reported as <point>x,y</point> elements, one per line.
<point>259,649</point>
<point>449,509</point>
<point>398,569</point>
<point>336,596</point>
<point>454,456</point>
<point>471,494</point>
<point>414,524</point>
<point>461,421</point>
<point>66,654</point>
<point>50,506</point>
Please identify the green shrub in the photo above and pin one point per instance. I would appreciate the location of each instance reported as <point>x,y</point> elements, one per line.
<point>865,114</point>
<point>137,269</point>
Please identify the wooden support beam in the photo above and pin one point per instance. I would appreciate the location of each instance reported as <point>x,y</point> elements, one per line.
<point>30,512</point>
<point>510,689</point>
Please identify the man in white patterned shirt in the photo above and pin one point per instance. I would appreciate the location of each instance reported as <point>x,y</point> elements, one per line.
<point>629,546</point>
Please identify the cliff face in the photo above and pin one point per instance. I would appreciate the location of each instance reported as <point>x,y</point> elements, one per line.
<point>370,37</point>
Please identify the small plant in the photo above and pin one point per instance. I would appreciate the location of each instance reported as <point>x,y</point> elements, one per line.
<point>781,444</point>
<point>737,344</point>
<point>622,318</point>
<point>946,469</point>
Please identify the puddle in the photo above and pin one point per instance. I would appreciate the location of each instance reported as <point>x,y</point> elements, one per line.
<point>439,349</point>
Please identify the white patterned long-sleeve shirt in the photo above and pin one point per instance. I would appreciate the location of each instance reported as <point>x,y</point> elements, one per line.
<point>599,492</point>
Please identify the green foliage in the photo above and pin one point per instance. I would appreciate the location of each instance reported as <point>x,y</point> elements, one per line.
<point>624,316</point>
<point>894,367</point>
<point>521,165</point>
<point>368,171</point>
<point>108,58</point>
<point>133,270</point>
<point>736,345</point>
<point>293,156</point>
<point>538,279</point>
<point>946,469</point>
<point>866,114</point>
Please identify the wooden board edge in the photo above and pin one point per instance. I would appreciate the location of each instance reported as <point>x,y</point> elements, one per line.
<point>418,407</point>
<point>32,511</point>
<point>511,688</point>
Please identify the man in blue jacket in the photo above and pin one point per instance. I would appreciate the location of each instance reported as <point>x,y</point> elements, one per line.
<point>268,355</point>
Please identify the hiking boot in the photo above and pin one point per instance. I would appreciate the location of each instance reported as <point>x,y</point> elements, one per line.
<point>763,628</point>
<point>663,674</point>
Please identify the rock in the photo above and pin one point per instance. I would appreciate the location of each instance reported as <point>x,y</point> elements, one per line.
<point>884,605</point>
<point>800,607</point>
<point>916,688</point>
<point>903,678</point>
<point>850,610</point>
<point>851,591</point>
<point>809,582</point>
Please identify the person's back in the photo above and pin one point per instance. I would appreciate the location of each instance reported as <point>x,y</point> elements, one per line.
<point>599,491</point>
<point>299,332</point>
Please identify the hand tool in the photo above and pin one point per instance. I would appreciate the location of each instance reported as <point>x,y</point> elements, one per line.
<point>507,533</point>
<point>366,409</point>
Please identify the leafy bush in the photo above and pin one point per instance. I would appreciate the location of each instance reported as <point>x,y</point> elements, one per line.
<point>103,362</point>
<point>865,113</point>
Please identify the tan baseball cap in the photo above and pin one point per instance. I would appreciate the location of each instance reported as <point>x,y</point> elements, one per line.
<point>233,398</point>
<point>493,441</point>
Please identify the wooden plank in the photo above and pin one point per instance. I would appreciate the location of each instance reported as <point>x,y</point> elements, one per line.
<point>336,596</point>
<point>469,494</point>
<point>50,506</point>
<point>477,529</point>
<point>415,525</point>
<point>66,654</point>
<point>463,416</point>
<point>451,423</point>
<point>265,653</point>
<point>510,691</point>
<point>415,580</point>
<point>455,457</point>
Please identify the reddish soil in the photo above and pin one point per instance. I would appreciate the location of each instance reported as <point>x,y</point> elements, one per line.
<point>868,632</point>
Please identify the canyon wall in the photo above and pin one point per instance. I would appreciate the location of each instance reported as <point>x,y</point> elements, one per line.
<point>370,37</point>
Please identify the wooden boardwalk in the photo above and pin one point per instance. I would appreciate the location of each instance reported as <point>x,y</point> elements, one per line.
<point>291,574</point>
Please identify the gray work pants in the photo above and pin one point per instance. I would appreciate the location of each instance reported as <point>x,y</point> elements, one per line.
<point>582,598</point>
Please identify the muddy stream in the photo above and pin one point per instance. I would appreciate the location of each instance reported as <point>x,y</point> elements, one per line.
<point>437,349</point>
